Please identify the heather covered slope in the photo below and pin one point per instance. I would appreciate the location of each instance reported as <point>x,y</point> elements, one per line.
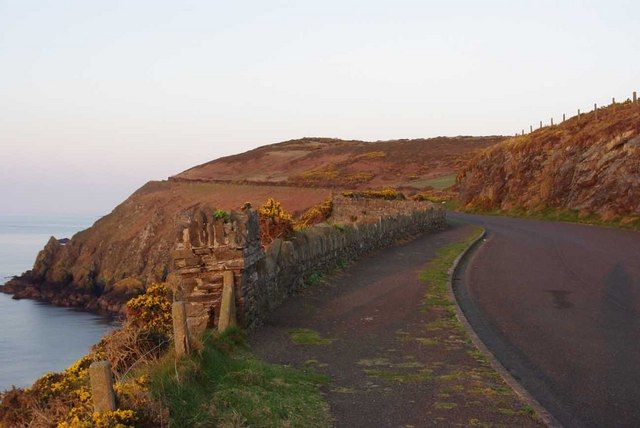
<point>589,164</point>
<point>321,162</point>
<point>103,266</point>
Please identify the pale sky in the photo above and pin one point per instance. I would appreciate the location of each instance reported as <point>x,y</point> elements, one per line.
<point>98,97</point>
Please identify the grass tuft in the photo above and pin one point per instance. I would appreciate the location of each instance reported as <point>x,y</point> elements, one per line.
<point>305,336</point>
<point>225,385</point>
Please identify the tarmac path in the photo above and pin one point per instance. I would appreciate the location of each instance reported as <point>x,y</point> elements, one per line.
<point>391,361</point>
<point>559,306</point>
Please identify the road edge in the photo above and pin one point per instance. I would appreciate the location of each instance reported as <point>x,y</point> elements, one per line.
<point>524,395</point>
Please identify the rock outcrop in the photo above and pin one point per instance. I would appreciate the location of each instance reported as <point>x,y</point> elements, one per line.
<point>590,164</point>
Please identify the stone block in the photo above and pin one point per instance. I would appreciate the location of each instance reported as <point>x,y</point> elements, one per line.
<point>181,253</point>
<point>101,379</point>
<point>227,317</point>
<point>180,328</point>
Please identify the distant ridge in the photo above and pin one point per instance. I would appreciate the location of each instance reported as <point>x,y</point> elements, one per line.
<point>331,162</point>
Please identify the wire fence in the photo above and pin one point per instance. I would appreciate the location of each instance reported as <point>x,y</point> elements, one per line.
<point>633,99</point>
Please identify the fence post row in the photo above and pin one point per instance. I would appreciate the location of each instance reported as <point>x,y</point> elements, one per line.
<point>595,109</point>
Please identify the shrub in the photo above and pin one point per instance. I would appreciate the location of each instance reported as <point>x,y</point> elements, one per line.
<point>65,398</point>
<point>316,214</point>
<point>151,311</point>
<point>221,215</point>
<point>373,155</point>
<point>388,194</point>
<point>275,222</point>
<point>435,196</point>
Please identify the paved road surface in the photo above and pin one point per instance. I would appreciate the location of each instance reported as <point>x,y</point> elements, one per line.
<point>372,311</point>
<point>560,305</point>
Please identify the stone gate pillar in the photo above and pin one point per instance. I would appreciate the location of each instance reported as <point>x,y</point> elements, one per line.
<point>208,244</point>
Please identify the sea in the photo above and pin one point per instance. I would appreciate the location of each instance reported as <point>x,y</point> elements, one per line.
<point>36,337</point>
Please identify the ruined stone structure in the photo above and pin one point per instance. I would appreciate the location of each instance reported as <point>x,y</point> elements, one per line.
<point>209,245</point>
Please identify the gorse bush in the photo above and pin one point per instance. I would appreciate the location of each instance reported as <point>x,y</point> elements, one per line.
<point>314,215</point>
<point>64,399</point>
<point>275,222</point>
<point>388,194</point>
<point>436,196</point>
<point>151,311</point>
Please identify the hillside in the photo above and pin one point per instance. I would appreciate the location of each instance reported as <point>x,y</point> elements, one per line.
<point>101,267</point>
<point>326,162</point>
<point>588,164</point>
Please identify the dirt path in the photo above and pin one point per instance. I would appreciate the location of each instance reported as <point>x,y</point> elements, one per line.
<point>560,306</point>
<point>392,361</point>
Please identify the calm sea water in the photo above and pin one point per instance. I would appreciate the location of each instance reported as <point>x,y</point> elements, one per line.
<point>35,337</point>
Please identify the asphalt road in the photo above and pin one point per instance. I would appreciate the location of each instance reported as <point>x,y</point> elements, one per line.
<point>559,305</point>
<point>373,315</point>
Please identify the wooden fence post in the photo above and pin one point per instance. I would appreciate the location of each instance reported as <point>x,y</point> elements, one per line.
<point>635,96</point>
<point>180,328</point>
<point>227,316</point>
<point>101,379</point>
<point>530,128</point>
<point>551,121</point>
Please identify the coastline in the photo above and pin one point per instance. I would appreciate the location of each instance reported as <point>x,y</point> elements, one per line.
<point>26,287</point>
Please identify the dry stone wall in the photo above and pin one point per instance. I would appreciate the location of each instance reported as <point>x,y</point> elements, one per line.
<point>206,247</point>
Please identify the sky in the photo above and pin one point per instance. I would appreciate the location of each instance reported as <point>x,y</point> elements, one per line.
<point>99,97</point>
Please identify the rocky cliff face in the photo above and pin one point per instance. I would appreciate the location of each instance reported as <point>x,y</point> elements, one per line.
<point>590,164</point>
<point>102,267</point>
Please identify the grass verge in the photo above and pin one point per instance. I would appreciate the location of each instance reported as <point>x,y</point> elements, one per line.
<point>225,385</point>
<point>463,378</point>
<point>436,273</point>
<point>305,336</point>
<point>551,214</point>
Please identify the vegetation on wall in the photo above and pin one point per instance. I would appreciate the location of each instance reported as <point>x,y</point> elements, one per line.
<point>275,221</point>
<point>388,194</point>
<point>316,214</point>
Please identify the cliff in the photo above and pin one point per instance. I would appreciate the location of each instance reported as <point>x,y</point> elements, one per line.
<point>590,164</point>
<point>102,267</point>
